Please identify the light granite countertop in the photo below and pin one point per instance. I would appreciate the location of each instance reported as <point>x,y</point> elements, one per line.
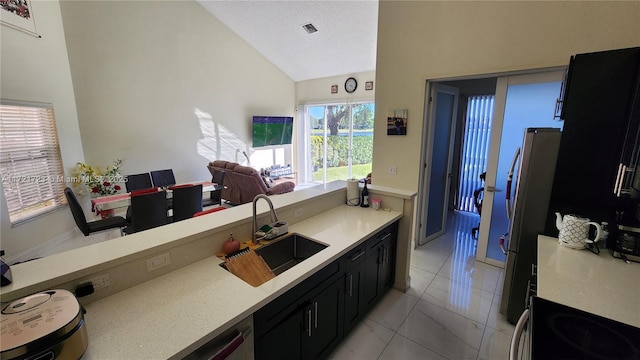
<point>174,314</point>
<point>599,284</point>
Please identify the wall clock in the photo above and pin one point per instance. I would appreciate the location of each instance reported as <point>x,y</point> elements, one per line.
<point>350,85</point>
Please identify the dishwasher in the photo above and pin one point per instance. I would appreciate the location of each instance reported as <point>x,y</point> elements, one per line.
<point>234,344</point>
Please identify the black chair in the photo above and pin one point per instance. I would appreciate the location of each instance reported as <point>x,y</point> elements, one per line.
<point>187,200</point>
<point>87,228</point>
<point>477,202</point>
<point>163,178</point>
<point>148,210</point>
<point>138,182</point>
<point>215,197</point>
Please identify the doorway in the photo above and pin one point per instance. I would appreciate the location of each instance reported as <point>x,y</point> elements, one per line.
<point>488,249</point>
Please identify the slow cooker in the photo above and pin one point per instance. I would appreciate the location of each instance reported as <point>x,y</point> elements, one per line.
<point>46,325</point>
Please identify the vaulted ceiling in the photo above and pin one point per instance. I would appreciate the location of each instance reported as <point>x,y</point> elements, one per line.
<point>345,41</point>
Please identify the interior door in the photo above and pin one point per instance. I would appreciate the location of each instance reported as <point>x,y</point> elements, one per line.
<point>442,109</point>
<point>521,101</point>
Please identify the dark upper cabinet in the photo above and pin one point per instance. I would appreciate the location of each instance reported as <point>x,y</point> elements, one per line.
<point>600,104</point>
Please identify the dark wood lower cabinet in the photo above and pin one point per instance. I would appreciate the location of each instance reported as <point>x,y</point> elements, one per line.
<point>310,320</point>
<point>354,286</point>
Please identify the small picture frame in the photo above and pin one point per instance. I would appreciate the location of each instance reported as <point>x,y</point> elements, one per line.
<point>397,123</point>
<point>334,89</point>
<point>18,15</point>
<point>368,85</point>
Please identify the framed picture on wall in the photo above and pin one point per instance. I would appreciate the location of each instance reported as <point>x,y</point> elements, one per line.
<point>18,14</point>
<point>334,89</point>
<point>397,123</point>
<point>368,85</point>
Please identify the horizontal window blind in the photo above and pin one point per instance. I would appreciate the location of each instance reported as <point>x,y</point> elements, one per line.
<point>30,161</point>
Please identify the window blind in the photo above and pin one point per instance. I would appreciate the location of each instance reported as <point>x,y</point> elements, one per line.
<point>30,161</point>
<point>475,149</point>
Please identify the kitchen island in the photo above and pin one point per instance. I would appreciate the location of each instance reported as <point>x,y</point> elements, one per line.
<point>168,311</point>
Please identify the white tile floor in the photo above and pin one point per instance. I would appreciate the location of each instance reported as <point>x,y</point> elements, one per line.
<point>450,312</point>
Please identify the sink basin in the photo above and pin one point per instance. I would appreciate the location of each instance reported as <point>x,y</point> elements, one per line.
<point>283,254</point>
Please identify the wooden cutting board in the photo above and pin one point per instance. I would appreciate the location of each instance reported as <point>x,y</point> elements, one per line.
<point>250,267</point>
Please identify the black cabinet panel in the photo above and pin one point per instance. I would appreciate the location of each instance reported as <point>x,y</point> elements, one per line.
<point>326,321</point>
<point>310,320</point>
<point>598,105</point>
<point>283,341</point>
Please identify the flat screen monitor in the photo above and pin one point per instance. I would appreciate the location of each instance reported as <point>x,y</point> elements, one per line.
<point>272,130</point>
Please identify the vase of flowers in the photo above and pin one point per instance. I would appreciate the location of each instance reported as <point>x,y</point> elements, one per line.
<point>99,182</point>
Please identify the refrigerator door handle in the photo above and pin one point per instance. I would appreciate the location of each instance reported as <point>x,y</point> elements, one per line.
<point>510,180</point>
<point>504,251</point>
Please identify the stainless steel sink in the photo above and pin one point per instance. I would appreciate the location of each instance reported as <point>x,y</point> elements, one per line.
<point>283,254</point>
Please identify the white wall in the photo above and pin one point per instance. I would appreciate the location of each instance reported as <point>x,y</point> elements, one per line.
<point>141,71</point>
<point>37,69</point>
<point>319,90</point>
<point>418,41</point>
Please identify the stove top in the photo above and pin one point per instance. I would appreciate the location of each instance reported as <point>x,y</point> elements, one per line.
<point>562,332</point>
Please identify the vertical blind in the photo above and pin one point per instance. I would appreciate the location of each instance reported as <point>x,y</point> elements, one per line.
<point>475,148</point>
<point>30,161</point>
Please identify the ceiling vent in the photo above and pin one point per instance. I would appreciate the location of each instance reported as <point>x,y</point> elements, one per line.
<point>309,28</point>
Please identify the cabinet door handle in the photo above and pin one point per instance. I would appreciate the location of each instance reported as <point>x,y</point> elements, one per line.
<point>315,317</point>
<point>385,236</point>
<point>309,322</point>
<point>618,179</point>
<point>350,285</point>
<point>357,256</point>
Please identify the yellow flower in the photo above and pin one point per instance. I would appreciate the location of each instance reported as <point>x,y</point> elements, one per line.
<point>96,181</point>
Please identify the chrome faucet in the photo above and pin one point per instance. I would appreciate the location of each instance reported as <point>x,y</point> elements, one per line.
<point>274,216</point>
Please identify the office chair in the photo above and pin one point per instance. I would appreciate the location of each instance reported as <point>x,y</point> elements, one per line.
<point>187,200</point>
<point>92,226</point>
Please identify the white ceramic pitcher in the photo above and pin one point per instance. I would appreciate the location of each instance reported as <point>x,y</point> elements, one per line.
<point>574,231</point>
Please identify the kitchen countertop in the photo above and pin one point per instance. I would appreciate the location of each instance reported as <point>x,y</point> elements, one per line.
<point>174,314</point>
<point>599,284</point>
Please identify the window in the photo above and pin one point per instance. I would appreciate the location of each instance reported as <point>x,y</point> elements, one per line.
<point>30,161</point>
<point>339,141</point>
<point>475,152</point>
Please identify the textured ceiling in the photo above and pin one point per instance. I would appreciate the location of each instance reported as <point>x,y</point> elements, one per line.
<point>345,42</point>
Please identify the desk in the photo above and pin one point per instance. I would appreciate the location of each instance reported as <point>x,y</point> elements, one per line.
<point>124,200</point>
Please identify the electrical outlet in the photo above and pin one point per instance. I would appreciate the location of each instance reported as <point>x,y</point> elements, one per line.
<point>393,170</point>
<point>101,281</point>
<point>298,212</point>
<point>159,261</point>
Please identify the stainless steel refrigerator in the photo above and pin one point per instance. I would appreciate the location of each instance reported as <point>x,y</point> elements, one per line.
<point>528,216</point>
